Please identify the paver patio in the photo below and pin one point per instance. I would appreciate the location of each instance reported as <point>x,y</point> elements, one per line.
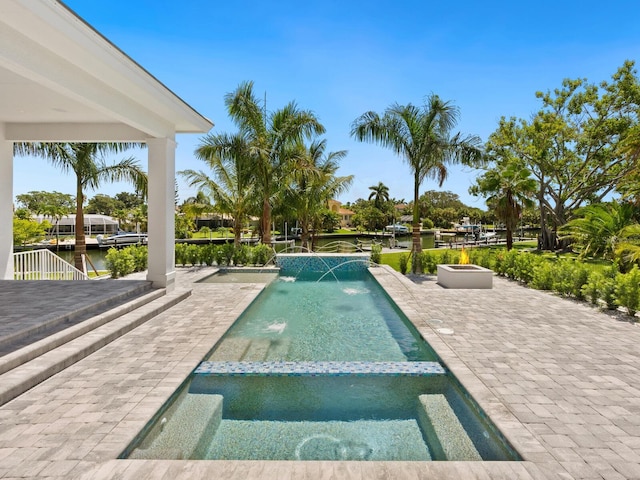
<point>560,379</point>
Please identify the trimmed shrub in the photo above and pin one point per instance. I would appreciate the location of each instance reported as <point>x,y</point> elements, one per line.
<point>509,264</point>
<point>608,287</point>
<point>591,289</point>
<point>227,253</point>
<point>120,262</point>
<point>140,254</point>
<point>193,255</point>
<point>525,264</point>
<point>579,277</point>
<point>241,255</point>
<point>404,264</point>
<point>481,257</point>
<point>261,254</point>
<point>447,257</point>
<point>498,264</point>
<point>376,254</point>
<point>627,290</point>
<point>543,276</point>
<point>429,263</point>
<point>181,253</point>
<point>207,253</point>
<point>218,255</point>
<point>562,272</point>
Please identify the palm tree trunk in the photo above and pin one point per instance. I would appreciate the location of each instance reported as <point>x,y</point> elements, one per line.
<point>80,246</point>
<point>304,237</point>
<point>237,232</point>
<point>416,248</point>
<point>509,237</point>
<point>266,221</point>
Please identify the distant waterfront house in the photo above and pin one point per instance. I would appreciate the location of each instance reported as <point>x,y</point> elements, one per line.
<point>94,224</point>
<point>345,214</point>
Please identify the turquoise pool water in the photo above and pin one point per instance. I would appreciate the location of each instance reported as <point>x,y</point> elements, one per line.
<point>350,318</point>
<point>328,370</point>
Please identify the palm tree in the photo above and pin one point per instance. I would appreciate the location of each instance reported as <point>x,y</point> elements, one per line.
<point>508,188</point>
<point>232,189</point>
<point>313,184</point>
<point>87,162</point>
<point>194,207</point>
<point>628,248</point>
<point>270,137</point>
<point>379,195</point>
<point>421,136</point>
<point>598,229</point>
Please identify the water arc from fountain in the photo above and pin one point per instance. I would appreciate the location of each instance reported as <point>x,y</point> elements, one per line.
<point>359,260</point>
<point>311,254</point>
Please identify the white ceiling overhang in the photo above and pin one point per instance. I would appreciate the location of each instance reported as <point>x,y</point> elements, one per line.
<point>60,80</point>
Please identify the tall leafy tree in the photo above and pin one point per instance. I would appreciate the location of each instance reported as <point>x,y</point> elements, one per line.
<point>43,203</point>
<point>54,205</point>
<point>130,200</point>
<point>26,230</point>
<point>103,205</point>
<point>509,188</point>
<point>87,161</point>
<point>313,184</point>
<point>230,159</point>
<point>580,145</point>
<point>270,136</point>
<point>421,135</point>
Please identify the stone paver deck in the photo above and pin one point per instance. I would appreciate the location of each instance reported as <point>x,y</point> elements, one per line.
<point>560,379</point>
<point>28,307</point>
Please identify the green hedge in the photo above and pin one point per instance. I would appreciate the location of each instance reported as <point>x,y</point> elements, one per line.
<point>222,255</point>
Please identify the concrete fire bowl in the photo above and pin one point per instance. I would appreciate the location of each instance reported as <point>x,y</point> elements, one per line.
<point>464,276</point>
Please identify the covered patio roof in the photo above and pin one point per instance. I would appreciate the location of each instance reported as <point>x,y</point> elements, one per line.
<point>62,81</point>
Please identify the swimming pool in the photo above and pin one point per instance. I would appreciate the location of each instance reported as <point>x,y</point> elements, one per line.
<point>328,370</point>
<point>347,318</point>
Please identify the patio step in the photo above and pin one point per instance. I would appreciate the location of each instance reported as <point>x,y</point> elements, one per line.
<point>27,375</point>
<point>28,347</point>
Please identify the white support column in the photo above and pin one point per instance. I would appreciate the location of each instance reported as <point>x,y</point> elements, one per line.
<point>161,169</point>
<point>6,206</point>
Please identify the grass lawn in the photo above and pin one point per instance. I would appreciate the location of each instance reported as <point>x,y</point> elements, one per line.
<point>100,273</point>
<point>393,259</point>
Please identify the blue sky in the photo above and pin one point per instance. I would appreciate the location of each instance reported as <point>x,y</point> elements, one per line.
<point>342,58</point>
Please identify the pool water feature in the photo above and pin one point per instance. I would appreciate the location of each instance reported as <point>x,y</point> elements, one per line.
<point>277,386</point>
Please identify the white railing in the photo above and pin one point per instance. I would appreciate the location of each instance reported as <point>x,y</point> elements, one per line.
<point>44,265</point>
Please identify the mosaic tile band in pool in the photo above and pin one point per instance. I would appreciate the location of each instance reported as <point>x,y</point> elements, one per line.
<point>293,264</point>
<point>320,368</point>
